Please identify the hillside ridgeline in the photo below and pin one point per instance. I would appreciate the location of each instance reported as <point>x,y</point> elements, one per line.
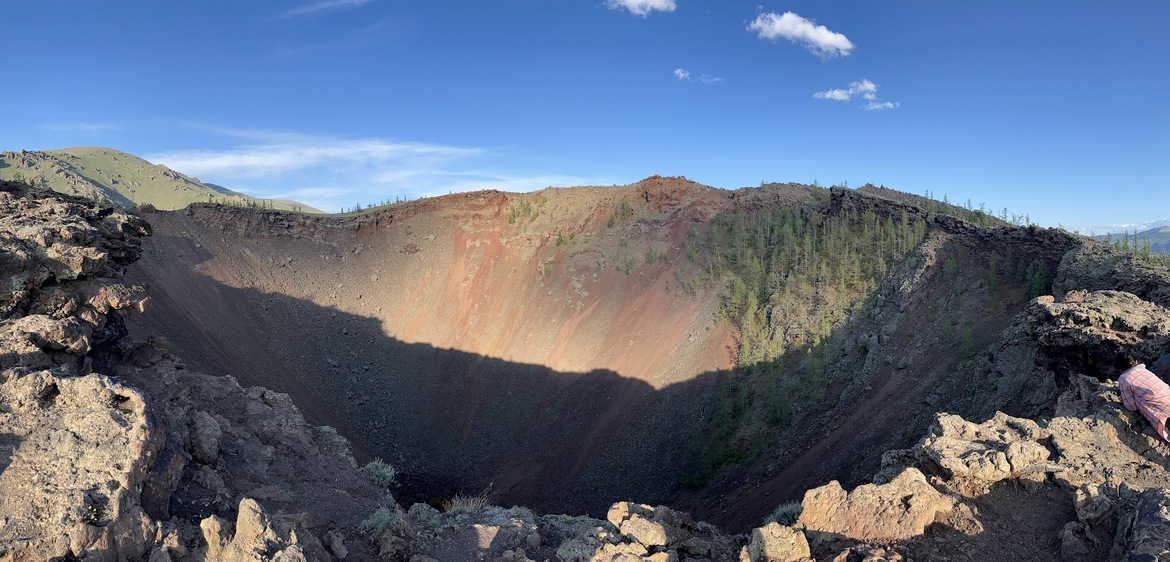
<point>111,176</point>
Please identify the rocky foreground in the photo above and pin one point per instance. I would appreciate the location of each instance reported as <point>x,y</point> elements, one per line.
<point>110,449</point>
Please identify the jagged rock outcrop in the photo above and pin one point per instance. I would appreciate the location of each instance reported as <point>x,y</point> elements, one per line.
<point>1094,333</point>
<point>899,509</point>
<point>74,453</point>
<point>1052,340</point>
<point>1103,459</point>
<point>776,543</point>
<point>256,536</point>
<point>76,449</point>
<point>1097,267</point>
<point>632,532</point>
<point>98,467</point>
<point>49,240</point>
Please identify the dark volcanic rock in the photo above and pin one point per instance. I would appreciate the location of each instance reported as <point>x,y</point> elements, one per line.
<point>1095,266</point>
<point>1096,333</point>
<point>127,467</point>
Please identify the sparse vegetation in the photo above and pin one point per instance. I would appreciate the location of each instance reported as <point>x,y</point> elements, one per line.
<point>785,514</point>
<point>563,240</point>
<point>382,522</point>
<point>653,255</point>
<point>981,216</point>
<point>626,264</point>
<point>524,210</point>
<point>462,502</point>
<point>790,277</point>
<point>90,515</point>
<point>380,473</point>
<point>94,510</point>
<point>786,266</point>
<point>622,211</point>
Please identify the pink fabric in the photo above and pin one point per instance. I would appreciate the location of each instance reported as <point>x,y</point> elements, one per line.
<point>1144,392</point>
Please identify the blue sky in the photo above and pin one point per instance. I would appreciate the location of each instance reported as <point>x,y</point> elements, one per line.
<point>1057,110</point>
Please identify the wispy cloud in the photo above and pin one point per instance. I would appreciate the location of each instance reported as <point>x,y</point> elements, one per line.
<point>865,88</point>
<point>684,74</point>
<point>1132,228</point>
<point>816,38</point>
<point>322,6</point>
<point>348,40</point>
<point>286,157</point>
<point>81,127</point>
<point>641,7</point>
<point>862,88</point>
<point>330,173</point>
<point>835,95</point>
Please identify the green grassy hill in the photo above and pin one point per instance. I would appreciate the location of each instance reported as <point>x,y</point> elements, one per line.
<point>109,175</point>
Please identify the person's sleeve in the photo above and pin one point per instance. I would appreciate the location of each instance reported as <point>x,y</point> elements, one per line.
<point>1127,396</point>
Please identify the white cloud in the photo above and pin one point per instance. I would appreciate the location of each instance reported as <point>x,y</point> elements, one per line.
<point>286,157</point>
<point>864,88</point>
<point>330,173</point>
<point>1101,229</point>
<point>867,89</point>
<point>642,7</point>
<point>836,95</point>
<point>323,5</point>
<point>816,38</point>
<point>683,74</point>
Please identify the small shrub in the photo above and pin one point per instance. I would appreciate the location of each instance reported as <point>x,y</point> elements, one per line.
<point>653,255</point>
<point>381,522</point>
<point>381,473</point>
<point>785,514</point>
<point>467,503</point>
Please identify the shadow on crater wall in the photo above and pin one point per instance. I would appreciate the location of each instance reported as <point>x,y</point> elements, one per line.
<point>451,421</point>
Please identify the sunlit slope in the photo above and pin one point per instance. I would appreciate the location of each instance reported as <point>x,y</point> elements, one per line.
<point>107,174</point>
<point>573,280</point>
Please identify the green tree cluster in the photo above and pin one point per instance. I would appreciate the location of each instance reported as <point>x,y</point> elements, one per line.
<point>790,276</point>
<point>1130,244</point>
<point>797,267</point>
<point>622,211</point>
<point>525,210</point>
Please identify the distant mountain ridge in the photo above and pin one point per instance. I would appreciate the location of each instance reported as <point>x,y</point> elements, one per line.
<point>1159,238</point>
<point>106,174</point>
